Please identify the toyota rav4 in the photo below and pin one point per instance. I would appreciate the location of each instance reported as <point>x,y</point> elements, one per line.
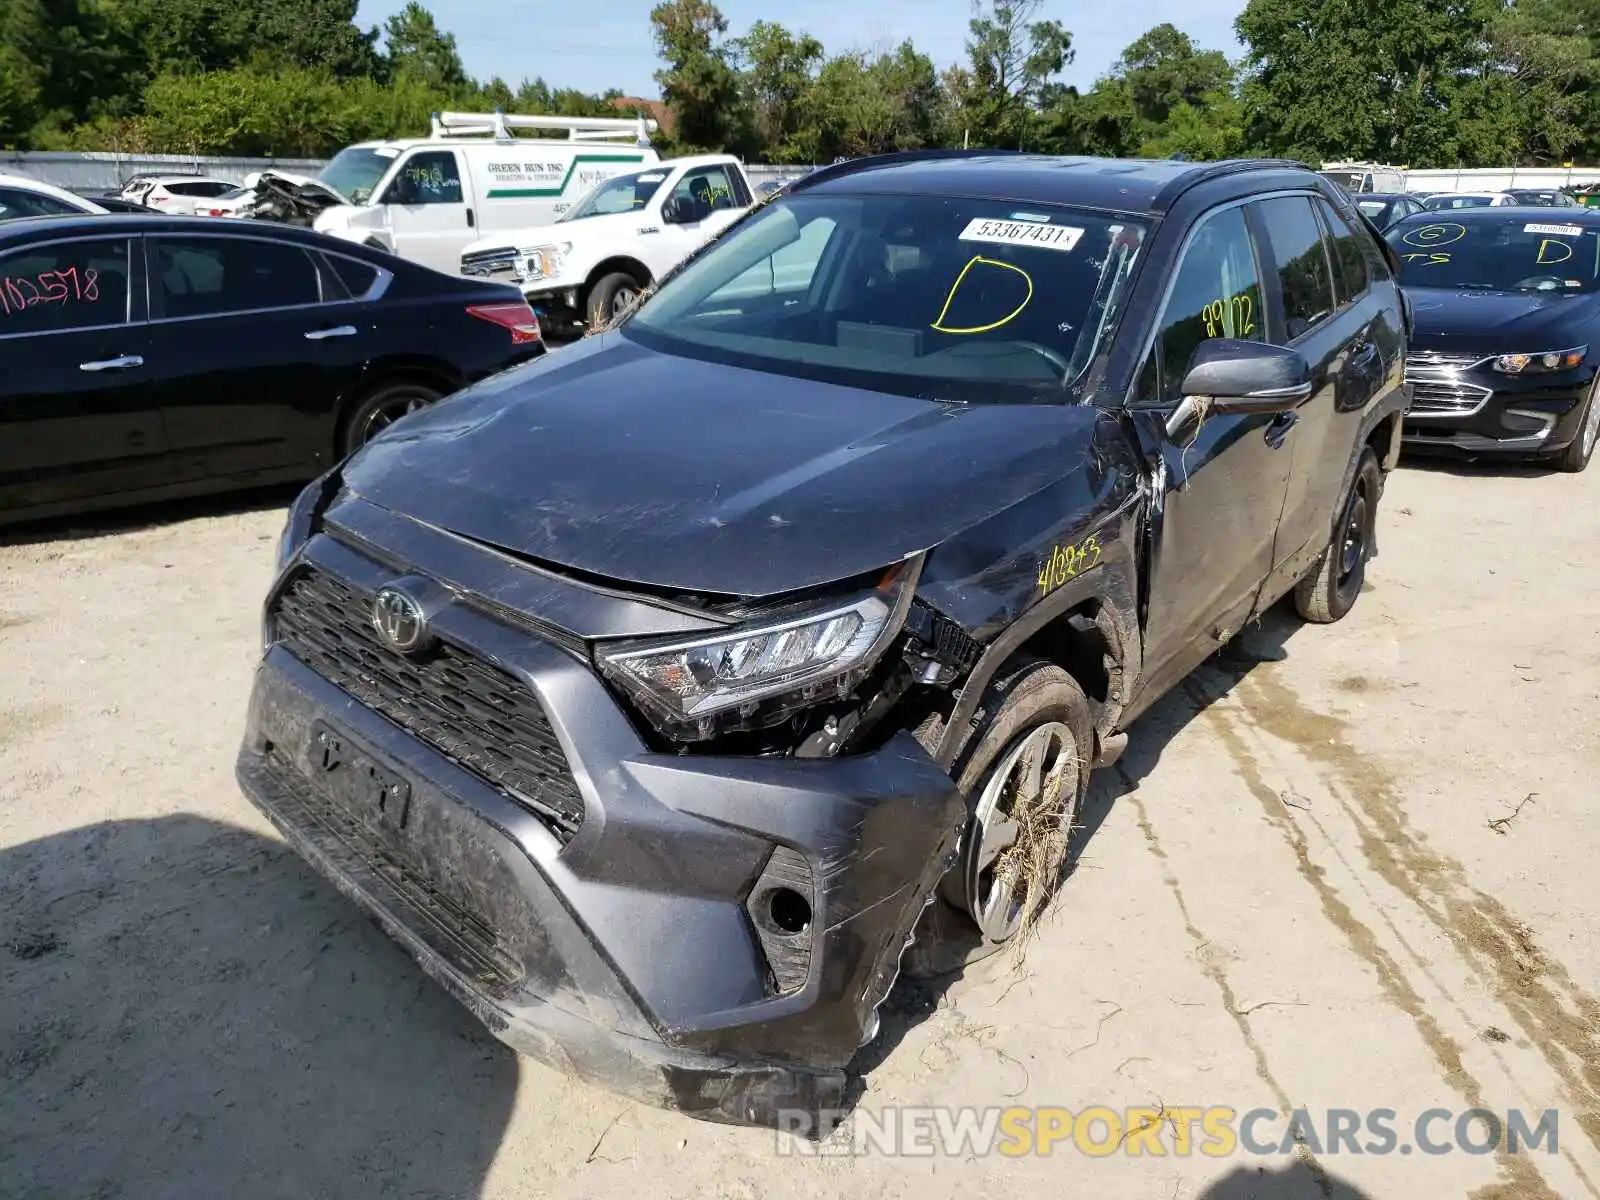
<point>669,695</point>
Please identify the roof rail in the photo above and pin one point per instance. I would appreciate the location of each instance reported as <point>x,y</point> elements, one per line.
<point>851,166</point>
<point>1168,195</point>
<point>501,126</point>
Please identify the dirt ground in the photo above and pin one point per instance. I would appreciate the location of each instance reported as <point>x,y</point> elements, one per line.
<point>1348,867</point>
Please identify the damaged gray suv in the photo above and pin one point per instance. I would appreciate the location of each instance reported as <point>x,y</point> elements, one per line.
<point>668,696</point>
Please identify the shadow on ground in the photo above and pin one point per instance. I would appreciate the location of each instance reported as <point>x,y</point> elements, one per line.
<point>913,1001</point>
<point>114,521</point>
<point>1299,1181</point>
<point>1505,468</point>
<point>185,1010</point>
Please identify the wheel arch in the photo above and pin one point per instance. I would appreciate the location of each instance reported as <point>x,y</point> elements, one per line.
<point>625,263</point>
<point>1089,629</point>
<point>385,374</point>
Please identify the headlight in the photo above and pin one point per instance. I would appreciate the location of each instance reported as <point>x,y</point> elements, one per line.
<point>799,657</point>
<point>543,262</point>
<point>1551,360</point>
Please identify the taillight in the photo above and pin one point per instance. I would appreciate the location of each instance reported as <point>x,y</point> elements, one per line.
<point>517,316</point>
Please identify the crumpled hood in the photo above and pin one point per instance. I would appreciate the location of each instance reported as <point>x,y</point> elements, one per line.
<point>1475,321</point>
<point>649,468</point>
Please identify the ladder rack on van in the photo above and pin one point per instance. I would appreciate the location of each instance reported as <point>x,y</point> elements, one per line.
<point>578,129</point>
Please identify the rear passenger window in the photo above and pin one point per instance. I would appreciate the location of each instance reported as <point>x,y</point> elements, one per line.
<point>1350,273</point>
<point>1217,293</point>
<point>357,277</point>
<point>64,286</point>
<point>200,277</point>
<point>1302,261</point>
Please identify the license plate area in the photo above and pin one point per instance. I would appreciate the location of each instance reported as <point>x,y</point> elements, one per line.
<point>354,779</point>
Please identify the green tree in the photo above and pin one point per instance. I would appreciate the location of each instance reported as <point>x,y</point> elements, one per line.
<point>873,105</point>
<point>1010,77</point>
<point>1407,81</point>
<point>778,77</point>
<point>419,52</point>
<point>699,82</point>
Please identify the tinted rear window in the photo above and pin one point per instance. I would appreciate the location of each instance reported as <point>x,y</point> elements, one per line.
<point>357,277</point>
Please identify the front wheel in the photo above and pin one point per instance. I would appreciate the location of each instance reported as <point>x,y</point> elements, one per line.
<point>1576,456</point>
<point>1025,779</point>
<point>1330,589</point>
<point>611,296</point>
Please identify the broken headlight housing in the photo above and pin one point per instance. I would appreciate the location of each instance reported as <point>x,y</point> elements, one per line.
<point>1532,364</point>
<point>760,672</point>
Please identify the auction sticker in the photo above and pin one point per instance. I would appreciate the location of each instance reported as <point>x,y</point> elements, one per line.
<point>1555,230</point>
<point>1021,233</point>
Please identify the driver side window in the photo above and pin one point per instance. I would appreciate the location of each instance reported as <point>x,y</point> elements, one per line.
<point>1217,293</point>
<point>430,177</point>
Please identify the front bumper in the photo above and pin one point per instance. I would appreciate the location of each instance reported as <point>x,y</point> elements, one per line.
<point>1512,417</point>
<point>629,952</point>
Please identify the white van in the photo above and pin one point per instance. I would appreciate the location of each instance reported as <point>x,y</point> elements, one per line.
<point>426,198</point>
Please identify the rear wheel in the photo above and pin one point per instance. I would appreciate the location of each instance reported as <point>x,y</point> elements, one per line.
<point>381,408</point>
<point>610,297</point>
<point>1025,778</point>
<point>1330,589</point>
<point>1576,456</point>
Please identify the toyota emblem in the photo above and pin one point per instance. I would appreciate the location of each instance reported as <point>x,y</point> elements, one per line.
<point>399,621</point>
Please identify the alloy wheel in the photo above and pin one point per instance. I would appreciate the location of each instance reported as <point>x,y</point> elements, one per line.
<point>1021,826</point>
<point>387,414</point>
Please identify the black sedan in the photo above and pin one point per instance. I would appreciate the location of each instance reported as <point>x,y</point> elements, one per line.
<point>1505,353</point>
<point>144,358</point>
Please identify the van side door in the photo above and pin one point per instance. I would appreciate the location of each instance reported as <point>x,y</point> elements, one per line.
<point>430,208</point>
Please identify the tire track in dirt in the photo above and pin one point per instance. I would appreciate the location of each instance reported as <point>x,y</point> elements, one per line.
<point>1560,1020</point>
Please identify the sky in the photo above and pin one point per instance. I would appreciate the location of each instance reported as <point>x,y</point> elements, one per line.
<point>605,44</point>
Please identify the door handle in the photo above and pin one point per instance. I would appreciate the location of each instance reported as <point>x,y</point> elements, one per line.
<point>113,364</point>
<point>470,219</point>
<point>316,335</point>
<point>1278,428</point>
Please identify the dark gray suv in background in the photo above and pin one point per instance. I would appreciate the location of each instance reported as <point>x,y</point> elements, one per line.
<point>668,696</point>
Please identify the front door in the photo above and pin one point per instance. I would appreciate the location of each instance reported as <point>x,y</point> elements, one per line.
<point>78,416</point>
<point>430,211</point>
<point>251,354</point>
<point>1221,495</point>
<point>705,202</point>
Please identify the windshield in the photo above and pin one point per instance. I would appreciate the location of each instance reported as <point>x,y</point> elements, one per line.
<point>1511,254</point>
<point>354,172</point>
<point>619,194</point>
<point>970,301</point>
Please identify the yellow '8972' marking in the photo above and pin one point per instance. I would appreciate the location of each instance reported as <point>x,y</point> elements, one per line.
<point>1068,562</point>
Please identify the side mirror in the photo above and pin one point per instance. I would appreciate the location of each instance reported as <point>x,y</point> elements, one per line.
<point>1228,377</point>
<point>672,211</point>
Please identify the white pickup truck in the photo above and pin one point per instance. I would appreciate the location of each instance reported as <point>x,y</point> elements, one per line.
<point>619,238</point>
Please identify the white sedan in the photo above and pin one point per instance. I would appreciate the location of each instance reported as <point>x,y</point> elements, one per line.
<point>24,197</point>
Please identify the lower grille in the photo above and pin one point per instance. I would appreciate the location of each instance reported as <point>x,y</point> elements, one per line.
<point>474,714</point>
<point>466,938</point>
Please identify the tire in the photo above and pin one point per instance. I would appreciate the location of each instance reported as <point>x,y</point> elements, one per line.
<point>1576,456</point>
<point>1033,705</point>
<point>609,296</point>
<point>1329,590</point>
<point>380,408</point>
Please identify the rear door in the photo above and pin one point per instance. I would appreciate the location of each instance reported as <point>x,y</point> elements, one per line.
<point>430,209</point>
<point>254,346</point>
<point>77,413</point>
<point>1223,493</point>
